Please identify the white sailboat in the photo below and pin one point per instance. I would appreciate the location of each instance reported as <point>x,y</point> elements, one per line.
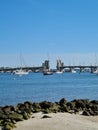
<point>47,73</point>
<point>21,71</point>
<point>58,72</point>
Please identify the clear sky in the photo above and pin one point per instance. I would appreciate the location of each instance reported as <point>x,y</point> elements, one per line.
<point>41,29</point>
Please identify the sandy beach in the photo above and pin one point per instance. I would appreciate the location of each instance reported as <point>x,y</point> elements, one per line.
<point>59,121</point>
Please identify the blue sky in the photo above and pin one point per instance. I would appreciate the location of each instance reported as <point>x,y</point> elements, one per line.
<point>66,29</point>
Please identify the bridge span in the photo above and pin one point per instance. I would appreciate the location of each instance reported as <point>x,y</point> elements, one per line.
<point>80,67</point>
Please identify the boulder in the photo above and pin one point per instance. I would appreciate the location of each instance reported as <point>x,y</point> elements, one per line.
<point>36,107</point>
<point>46,105</point>
<point>26,115</point>
<point>65,108</point>
<point>94,102</point>
<point>15,116</point>
<point>46,116</point>
<point>9,126</point>
<point>71,105</point>
<point>81,103</point>
<point>28,105</point>
<point>20,106</point>
<point>86,113</point>
<point>7,109</point>
<point>62,102</point>
<point>3,116</point>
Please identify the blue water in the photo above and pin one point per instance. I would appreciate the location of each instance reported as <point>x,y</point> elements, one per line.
<point>36,87</point>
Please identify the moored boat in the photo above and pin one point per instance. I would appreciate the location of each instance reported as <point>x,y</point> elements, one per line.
<point>47,73</point>
<point>58,72</point>
<point>73,71</point>
<point>21,72</point>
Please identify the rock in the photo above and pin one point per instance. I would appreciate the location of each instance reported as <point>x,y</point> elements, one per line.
<point>80,104</point>
<point>96,113</point>
<point>15,116</point>
<point>65,108</point>
<point>76,110</point>
<point>91,112</point>
<point>94,107</point>
<point>13,121</point>
<point>45,105</point>
<point>26,115</point>
<point>21,106</point>
<point>94,102</point>
<point>46,116</point>
<point>28,105</point>
<point>28,110</point>
<point>46,111</point>
<point>54,108</point>
<point>86,113</point>
<point>6,109</point>
<point>62,102</point>
<point>33,117</point>
<point>9,126</point>
<point>3,116</point>
<point>36,107</point>
<point>1,122</point>
<point>71,105</point>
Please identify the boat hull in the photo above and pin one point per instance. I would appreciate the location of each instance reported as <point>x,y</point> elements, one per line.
<point>47,73</point>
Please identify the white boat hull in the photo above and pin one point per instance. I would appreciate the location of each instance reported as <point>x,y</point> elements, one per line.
<point>21,72</point>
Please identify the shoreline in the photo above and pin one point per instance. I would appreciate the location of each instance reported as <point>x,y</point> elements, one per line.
<point>75,111</point>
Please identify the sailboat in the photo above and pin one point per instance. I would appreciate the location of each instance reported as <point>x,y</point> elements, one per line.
<point>47,73</point>
<point>58,72</point>
<point>21,71</point>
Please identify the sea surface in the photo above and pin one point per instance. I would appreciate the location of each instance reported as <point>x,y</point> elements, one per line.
<point>36,87</point>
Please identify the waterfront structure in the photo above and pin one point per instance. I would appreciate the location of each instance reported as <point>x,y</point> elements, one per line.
<point>46,68</point>
<point>46,65</point>
<point>60,66</point>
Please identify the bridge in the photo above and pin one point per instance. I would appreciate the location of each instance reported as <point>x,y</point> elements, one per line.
<point>9,69</point>
<point>80,67</point>
<point>40,69</point>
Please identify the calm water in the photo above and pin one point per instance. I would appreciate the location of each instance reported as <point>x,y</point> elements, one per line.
<point>37,87</point>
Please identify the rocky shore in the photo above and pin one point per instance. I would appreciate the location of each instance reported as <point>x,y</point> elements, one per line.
<point>10,115</point>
